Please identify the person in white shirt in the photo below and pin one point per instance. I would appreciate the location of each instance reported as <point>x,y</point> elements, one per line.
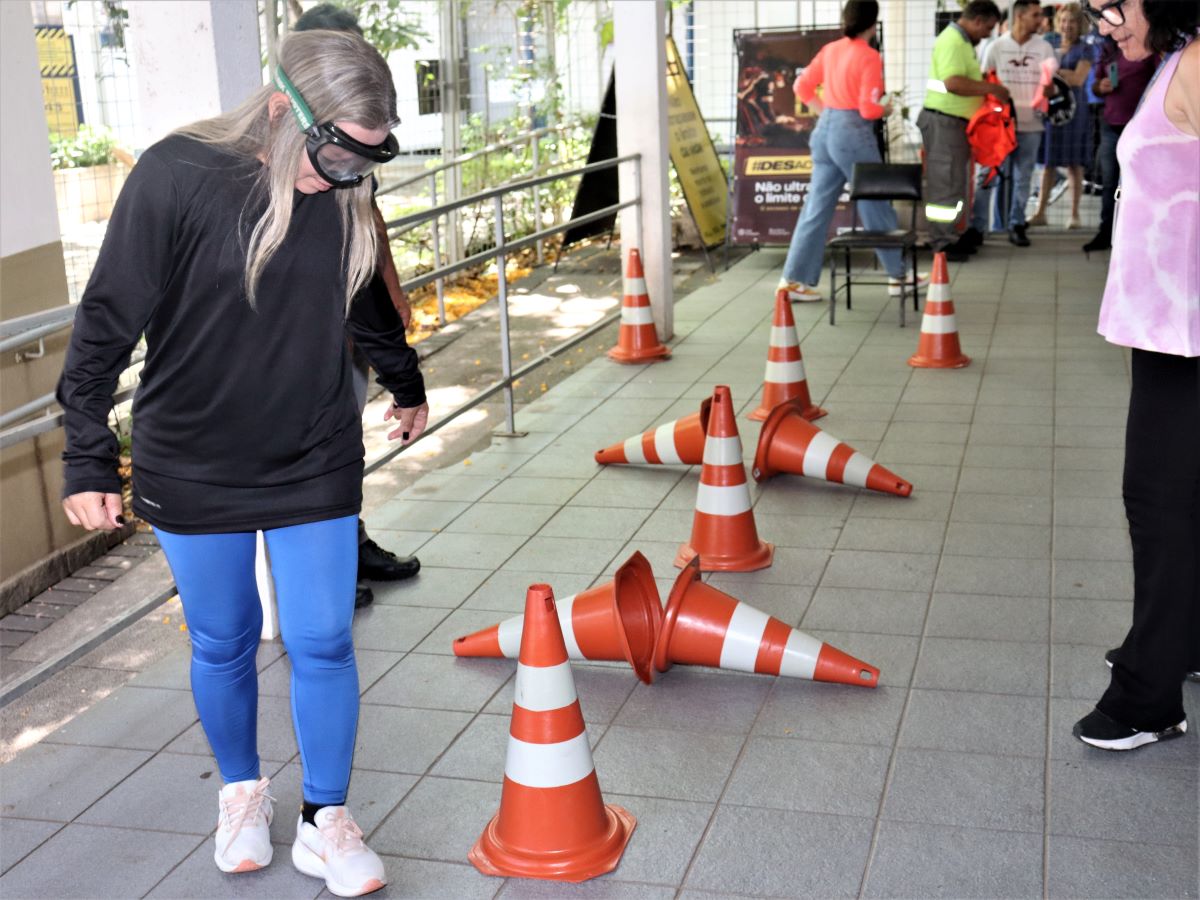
<point>1016,58</point>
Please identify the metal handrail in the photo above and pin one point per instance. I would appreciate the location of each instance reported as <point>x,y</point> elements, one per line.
<point>22,330</point>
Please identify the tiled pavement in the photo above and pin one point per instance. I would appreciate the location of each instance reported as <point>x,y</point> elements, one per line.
<point>987,599</point>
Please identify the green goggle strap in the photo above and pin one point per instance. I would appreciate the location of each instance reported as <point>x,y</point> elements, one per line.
<point>303,114</point>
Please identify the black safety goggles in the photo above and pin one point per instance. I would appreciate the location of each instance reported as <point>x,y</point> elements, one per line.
<point>337,157</point>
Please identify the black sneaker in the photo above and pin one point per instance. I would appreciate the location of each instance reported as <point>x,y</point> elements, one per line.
<point>378,564</point>
<point>363,595</point>
<point>1098,243</point>
<point>1111,657</point>
<point>955,254</point>
<point>1017,236</point>
<point>972,237</point>
<point>1107,733</point>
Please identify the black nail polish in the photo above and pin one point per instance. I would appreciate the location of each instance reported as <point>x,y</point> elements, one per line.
<point>404,436</point>
<point>120,520</point>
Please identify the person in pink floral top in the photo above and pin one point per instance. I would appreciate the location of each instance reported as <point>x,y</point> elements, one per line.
<point>1152,305</point>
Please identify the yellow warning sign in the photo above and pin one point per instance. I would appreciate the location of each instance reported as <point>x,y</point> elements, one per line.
<point>693,154</point>
<point>56,60</point>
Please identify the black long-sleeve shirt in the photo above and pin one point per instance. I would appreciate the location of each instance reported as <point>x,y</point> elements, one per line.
<point>245,418</point>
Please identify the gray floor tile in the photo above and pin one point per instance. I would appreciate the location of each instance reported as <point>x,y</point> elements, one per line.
<point>1093,579</point>
<point>1087,484</point>
<point>57,781</point>
<point>677,765</point>
<point>440,819</point>
<point>395,628</point>
<point>782,853</point>
<point>502,518</point>
<point>783,773</point>
<point>1077,671</point>
<point>1014,541</point>
<point>1012,435</point>
<point>665,840</point>
<point>415,515</point>
<point>698,700</point>
<point>812,532</point>
<point>920,860</point>
<point>790,566</point>
<point>455,625</point>
<point>995,667</point>
<point>564,554</point>
<point>197,877</point>
<point>143,719</point>
<point>998,508</point>
<point>1090,511</point>
<point>429,879</point>
<point>19,837</point>
<point>1082,458</point>
<point>441,587</point>
<point>1102,623</point>
<point>546,491</point>
<point>831,712</point>
<point>474,551</point>
<point>866,609</point>
<point>792,495</point>
<point>883,571</point>
<point>1105,797</point>
<point>505,591</point>
<point>989,617</point>
<point>923,505</point>
<point>971,790</point>
<point>893,655</point>
<point>1009,482</point>
<point>456,487</point>
<point>276,733</point>
<point>595,522</point>
<point>430,681</point>
<point>395,739</point>
<point>134,861</point>
<point>171,792</point>
<point>1009,457</point>
<point>478,753</point>
<point>993,575</point>
<point>630,488</point>
<point>1076,542</point>
<point>1079,867</point>
<point>173,671</point>
<point>606,888</point>
<point>976,723</point>
<point>892,535</point>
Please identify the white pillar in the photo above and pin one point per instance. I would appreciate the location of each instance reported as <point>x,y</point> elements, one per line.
<point>639,38</point>
<point>194,59</point>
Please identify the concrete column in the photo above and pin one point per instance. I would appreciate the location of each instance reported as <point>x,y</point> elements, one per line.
<point>639,37</point>
<point>222,65</point>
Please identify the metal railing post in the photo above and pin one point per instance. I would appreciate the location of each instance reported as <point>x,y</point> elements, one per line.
<point>437,250</point>
<point>502,300</point>
<point>537,202</point>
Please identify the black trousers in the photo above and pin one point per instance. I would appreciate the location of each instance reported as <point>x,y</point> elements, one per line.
<point>1162,503</point>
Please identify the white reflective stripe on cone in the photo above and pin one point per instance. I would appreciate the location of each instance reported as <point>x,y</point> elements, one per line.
<point>566,621</point>
<point>743,638</point>
<point>722,451</point>
<point>635,286</point>
<point>858,467</point>
<point>549,765</point>
<point>509,635</point>
<point>664,444</point>
<point>937,293</point>
<point>816,455</point>
<point>784,336</point>
<point>633,450</point>
<point>543,688</point>
<point>935,324</point>
<point>723,501</point>
<point>787,372</point>
<point>800,655</point>
<point>636,315</point>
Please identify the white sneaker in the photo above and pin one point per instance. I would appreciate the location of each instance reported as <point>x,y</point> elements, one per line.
<point>895,284</point>
<point>334,850</point>
<point>243,826</point>
<point>799,293</point>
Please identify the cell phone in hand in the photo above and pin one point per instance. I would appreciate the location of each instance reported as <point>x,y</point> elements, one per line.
<point>1112,75</point>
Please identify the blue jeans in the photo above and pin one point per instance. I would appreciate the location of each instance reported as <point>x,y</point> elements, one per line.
<point>1110,174</point>
<point>314,567</point>
<point>841,139</point>
<point>1018,168</point>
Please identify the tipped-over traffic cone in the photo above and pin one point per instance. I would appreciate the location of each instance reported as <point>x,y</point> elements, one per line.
<point>637,340</point>
<point>723,532</point>
<point>617,620</point>
<point>675,443</point>
<point>938,347</point>
<point>553,822</point>
<point>788,443</point>
<point>785,380</point>
<point>704,626</point>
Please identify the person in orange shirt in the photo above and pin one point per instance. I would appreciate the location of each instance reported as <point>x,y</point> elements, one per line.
<point>850,73</point>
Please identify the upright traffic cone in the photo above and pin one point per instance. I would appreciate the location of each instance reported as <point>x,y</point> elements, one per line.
<point>723,532</point>
<point>617,620</point>
<point>553,822</point>
<point>788,443</point>
<point>675,443</point>
<point>704,626</point>
<point>938,347</point>
<point>637,341</point>
<point>785,381</point>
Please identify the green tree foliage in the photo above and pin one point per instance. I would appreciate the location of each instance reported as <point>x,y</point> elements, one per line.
<point>386,24</point>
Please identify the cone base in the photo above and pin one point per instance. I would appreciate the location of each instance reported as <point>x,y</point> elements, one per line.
<point>760,557</point>
<point>492,857</point>
<point>630,357</point>
<point>928,362</point>
<point>809,412</point>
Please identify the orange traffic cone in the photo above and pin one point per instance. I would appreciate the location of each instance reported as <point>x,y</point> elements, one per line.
<point>938,347</point>
<point>553,822</point>
<point>617,620</point>
<point>723,532</point>
<point>675,443</point>
<point>704,626</point>
<point>637,341</point>
<point>785,380</point>
<point>788,443</point>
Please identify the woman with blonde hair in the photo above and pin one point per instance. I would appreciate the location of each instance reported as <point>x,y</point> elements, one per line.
<point>231,250</point>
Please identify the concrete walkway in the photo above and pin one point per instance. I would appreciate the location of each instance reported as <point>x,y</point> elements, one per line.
<point>987,599</point>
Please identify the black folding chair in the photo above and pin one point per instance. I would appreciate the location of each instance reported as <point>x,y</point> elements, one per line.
<point>878,181</point>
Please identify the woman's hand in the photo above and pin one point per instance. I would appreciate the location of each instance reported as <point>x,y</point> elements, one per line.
<point>94,511</point>
<point>412,419</point>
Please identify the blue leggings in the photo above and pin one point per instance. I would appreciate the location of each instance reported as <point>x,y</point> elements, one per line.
<point>314,568</point>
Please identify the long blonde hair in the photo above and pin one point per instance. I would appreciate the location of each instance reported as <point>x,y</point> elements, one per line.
<point>342,78</point>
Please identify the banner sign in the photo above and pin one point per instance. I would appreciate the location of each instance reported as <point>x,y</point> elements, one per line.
<point>693,154</point>
<point>60,79</point>
<point>598,189</point>
<point>772,164</point>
